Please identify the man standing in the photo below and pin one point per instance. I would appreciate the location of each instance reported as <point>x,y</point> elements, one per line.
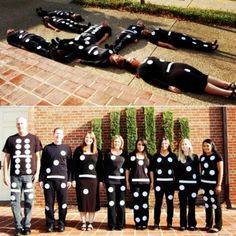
<point>55,178</point>
<point>22,155</point>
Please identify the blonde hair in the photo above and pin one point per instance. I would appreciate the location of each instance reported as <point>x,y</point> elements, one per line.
<point>117,137</point>
<point>181,156</point>
<point>93,145</point>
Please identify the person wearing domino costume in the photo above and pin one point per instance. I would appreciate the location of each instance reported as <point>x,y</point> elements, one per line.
<point>138,181</point>
<point>114,179</point>
<point>55,179</point>
<point>22,153</point>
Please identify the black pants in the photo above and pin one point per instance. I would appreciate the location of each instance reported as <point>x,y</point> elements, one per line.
<point>140,204</point>
<point>54,188</point>
<point>187,197</point>
<point>212,202</point>
<point>123,40</point>
<point>162,189</point>
<point>116,205</point>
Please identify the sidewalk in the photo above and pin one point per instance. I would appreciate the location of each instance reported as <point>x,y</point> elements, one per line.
<point>28,79</point>
<point>100,224</point>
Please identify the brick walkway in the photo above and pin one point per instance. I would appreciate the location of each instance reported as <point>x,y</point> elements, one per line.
<point>28,79</point>
<point>73,224</point>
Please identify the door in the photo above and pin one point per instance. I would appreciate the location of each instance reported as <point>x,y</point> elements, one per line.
<point>8,117</point>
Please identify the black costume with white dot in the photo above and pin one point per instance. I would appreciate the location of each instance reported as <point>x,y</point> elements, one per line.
<point>209,178</point>
<point>55,172</point>
<point>164,168</point>
<point>188,178</point>
<point>164,74</point>
<point>67,24</point>
<point>31,42</point>
<point>88,172</point>
<point>139,179</point>
<point>114,178</point>
<point>130,35</point>
<point>179,40</point>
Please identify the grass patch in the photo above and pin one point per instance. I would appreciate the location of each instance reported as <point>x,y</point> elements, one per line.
<point>210,17</point>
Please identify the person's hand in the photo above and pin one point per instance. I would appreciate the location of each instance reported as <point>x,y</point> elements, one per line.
<point>57,30</point>
<point>41,184</point>
<point>35,178</point>
<point>127,186</point>
<point>7,181</point>
<point>174,89</point>
<point>218,189</point>
<point>68,184</point>
<point>73,184</point>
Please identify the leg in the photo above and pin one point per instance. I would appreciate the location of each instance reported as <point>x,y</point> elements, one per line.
<point>120,221</point>
<point>183,207</point>
<point>218,212</point>
<point>218,82</point>
<point>169,194</point>
<point>192,196</point>
<point>144,207</point>
<point>16,185</point>
<point>136,205</point>
<point>91,216</point>
<point>111,208</point>
<point>214,90</point>
<point>61,189</point>
<point>28,189</point>
<point>158,203</point>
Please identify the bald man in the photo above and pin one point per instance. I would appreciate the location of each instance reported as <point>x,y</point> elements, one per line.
<point>22,157</point>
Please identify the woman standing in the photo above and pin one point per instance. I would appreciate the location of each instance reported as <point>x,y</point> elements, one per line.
<point>188,183</point>
<point>163,171</point>
<point>211,180</point>
<point>88,174</point>
<point>139,182</point>
<point>114,178</point>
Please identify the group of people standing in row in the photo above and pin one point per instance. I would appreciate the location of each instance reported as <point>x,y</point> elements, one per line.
<point>85,49</point>
<point>89,169</point>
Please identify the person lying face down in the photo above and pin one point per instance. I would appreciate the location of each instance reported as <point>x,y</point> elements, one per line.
<point>69,25</point>
<point>174,40</point>
<point>130,35</point>
<point>29,41</point>
<point>179,77</point>
<point>61,14</point>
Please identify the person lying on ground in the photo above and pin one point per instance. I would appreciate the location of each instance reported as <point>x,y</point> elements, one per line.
<point>61,14</point>
<point>131,35</point>
<point>179,77</point>
<point>58,24</point>
<point>174,40</point>
<point>29,41</point>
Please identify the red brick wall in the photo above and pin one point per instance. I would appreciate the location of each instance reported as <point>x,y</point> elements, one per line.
<point>204,123</point>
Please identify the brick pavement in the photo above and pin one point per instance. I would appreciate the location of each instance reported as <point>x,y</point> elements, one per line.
<point>73,224</point>
<point>28,79</point>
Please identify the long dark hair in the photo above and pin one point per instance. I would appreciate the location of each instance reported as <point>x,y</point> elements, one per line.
<point>213,146</point>
<point>145,151</point>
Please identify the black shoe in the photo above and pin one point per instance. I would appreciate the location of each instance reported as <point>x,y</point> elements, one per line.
<point>119,228</point>
<point>61,228</point>
<point>214,230</point>
<point>191,228</point>
<point>26,231</point>
<point>144,227</point>
<point>18,232</point>
<point>138,227</point>
<point>110,228</point>
<point>50,228</point>
<point>182,228</point>
<point>169,226</point>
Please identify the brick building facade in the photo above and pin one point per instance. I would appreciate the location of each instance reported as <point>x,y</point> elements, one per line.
<point>205,122</point>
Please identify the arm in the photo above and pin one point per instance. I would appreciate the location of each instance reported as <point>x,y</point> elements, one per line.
<point>6,164</point>
<point>127,179</point>
<point>69,168</point>
<point>152,180</point>
<point>166,45</point>
<point>47,24</point>
<point>104,38</point>
<point>220,177</point>
<point>38,163</point>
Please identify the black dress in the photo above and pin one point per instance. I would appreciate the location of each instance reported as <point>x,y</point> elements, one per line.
<point>87,173</point>
<point>164,74</point>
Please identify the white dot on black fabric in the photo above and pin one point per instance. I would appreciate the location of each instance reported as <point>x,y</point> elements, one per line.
<point>158,188</point>
<point>181,187</point>
<point>64,206</point>
<point>170,197</point>
<point>145,205</point>
<point>17,172</point>
<point>47,208</point>
<point>27,152</point>
<point>81,47</point>
<point>153,32</point>
<point>28,171</point>
<point>159,172</point>
<point>27,40</point>
<point>27,140</point>
<point>26,146</point>
<point>206,165</point>
<point>17,152</point>
<point>29,185</point>
<point>183,38</point>
<point>137,219</point>
<point>202,159</point>
<point>214,206</point>
<point>46,186</point>
<point>31,196</point>
<point>17,166</point>
<point>169,172</point>
<point>194,43</point>
<point>187,70</point>
<point>212,199</point>
<point>111,203</point>
<point>149,62</point>
<point>188,168</point>
<point>205,45</point>
<point>85,191</point>
<point>82,157</point>
<point>55,162</point>
<point>136,194</point>
<point>203,172</point>
<point>95,52</point>
<point>28,165</point>
<point>140,162</point>
<point>48,170</point>
<point>110,189</point>
<point>39,47</point>
<point>194,176</point>
<point>122,188</point>
<point>193,195</point>
<point>18,146</point>
<point>17,160</point>
<point>122,202</point>
<point>145,194</point>
<point>136,207</point>
<point>91,167</point>
<point>212,172</point>
<point>63,185</point>
<point>144,218</point>
<point>206,205</point>
<point>211,192</point>
<point>18,140</point>
<point>13,198</point>
<point>212,158</point>
<point>13,184</point>
<point>63,153</point>
<point>27,160</point>
<point>170,159</point>
<point>133,158</point>
<point>121,170</point>
<point>113,157</point>
<point>159,159</point>
<point>205,198</point>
